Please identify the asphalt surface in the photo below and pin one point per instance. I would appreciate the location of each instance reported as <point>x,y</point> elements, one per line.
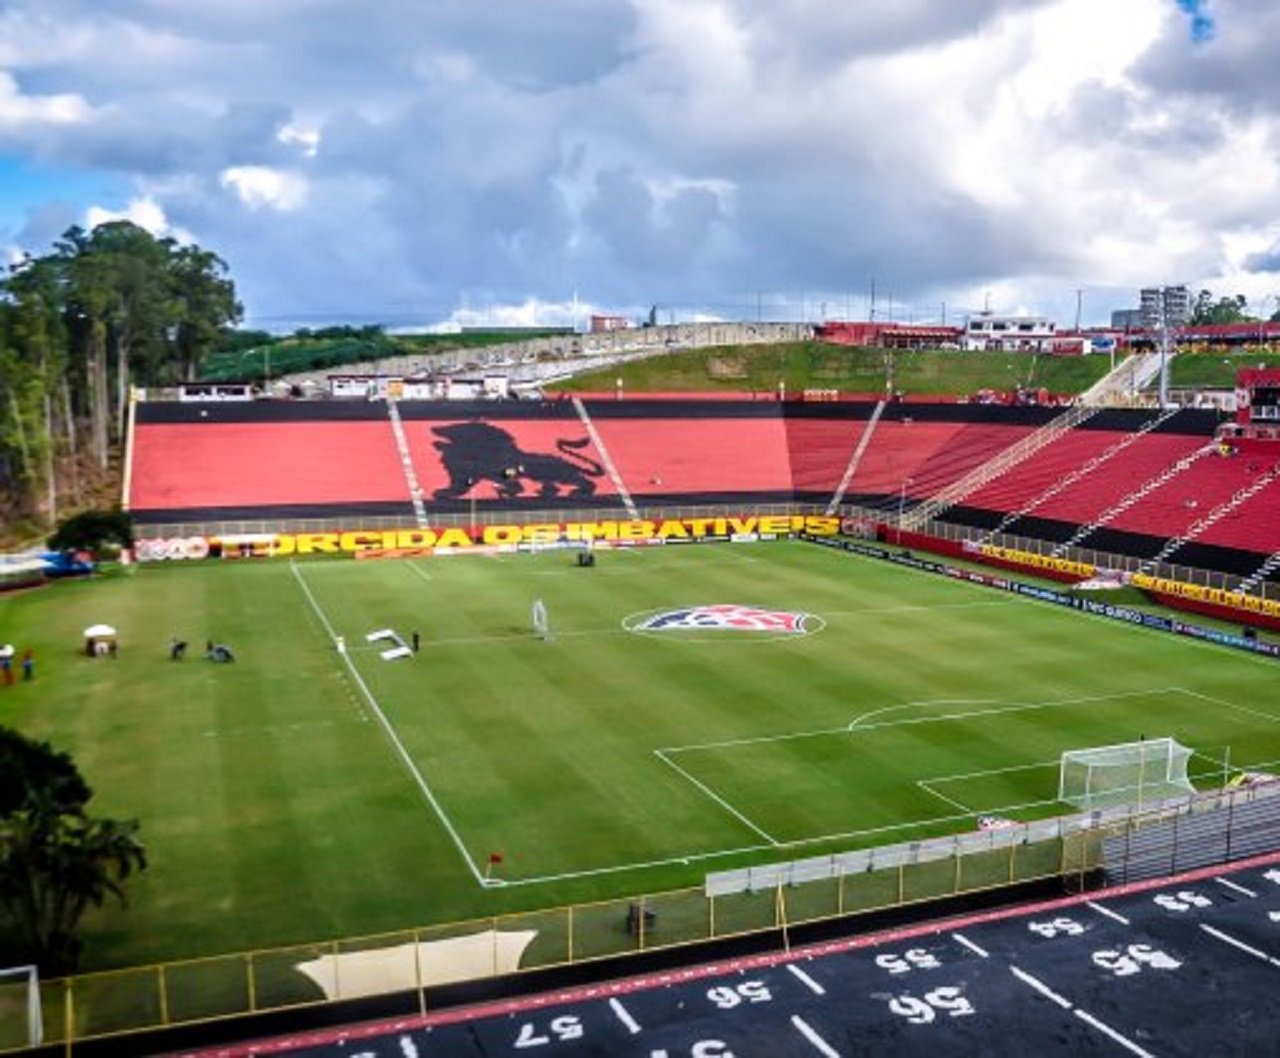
<point>1186,966</point>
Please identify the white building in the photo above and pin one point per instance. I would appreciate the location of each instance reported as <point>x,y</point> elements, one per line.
<point>1032,334</point>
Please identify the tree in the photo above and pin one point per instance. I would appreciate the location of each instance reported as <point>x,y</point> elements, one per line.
<point>56,861</point>
<point>89,530</point>
<point>206,305</point>
<point>30,770</point>
<point>54,866</point>
<point>1207,310</point>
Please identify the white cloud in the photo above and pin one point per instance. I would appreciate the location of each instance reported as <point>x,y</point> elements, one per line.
<point>261,186</point>
<point>379,159</point>
<point>18,109</point>
<point>145,212</point>
<point>306,137</point>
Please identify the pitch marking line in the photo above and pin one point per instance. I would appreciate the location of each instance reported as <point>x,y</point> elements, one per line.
<point>859,722</point>
<point>858,725</point>
<point>1232,705</point>
<point>716,797</point>
<point>422,573</point>
<point>924,785</point>
<point>403,753</point>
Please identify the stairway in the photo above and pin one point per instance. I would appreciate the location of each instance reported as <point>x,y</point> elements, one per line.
<point>1216,515</point>
<point>1083,470</point>
<point>1254,580</point>
<point>605,460</point>
<point>852,467</point>
<point>1118,508</point>
<point>1004,460</point>
<point>406,461</point>
<point>1125,381</point>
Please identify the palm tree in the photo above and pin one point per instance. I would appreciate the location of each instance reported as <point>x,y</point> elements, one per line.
<point>54,865</point>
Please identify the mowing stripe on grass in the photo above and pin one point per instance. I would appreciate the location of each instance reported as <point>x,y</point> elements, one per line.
<point>1232,705</point>
<point>390,731</point>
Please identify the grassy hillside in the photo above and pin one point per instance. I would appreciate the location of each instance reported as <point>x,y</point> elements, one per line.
<point>816,365</point>
<point>327,349</point>
<point>1216,368</point>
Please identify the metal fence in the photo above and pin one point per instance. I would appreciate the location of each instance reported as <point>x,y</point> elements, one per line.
<point>950,531</point>
<point>766,898</point>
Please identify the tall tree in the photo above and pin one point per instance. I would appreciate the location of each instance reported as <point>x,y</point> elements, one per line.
<point>56,861</point>
<point>206,305</point>
<point>55,865</point>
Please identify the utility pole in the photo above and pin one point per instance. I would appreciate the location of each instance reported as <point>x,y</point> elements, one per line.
<point>1079,299</point>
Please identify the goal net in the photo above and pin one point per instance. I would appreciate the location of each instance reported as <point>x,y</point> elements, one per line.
<point>21,1022</point>
<point>1128,773</point>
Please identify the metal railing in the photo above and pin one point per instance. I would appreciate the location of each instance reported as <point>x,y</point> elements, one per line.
<point>189,992</point>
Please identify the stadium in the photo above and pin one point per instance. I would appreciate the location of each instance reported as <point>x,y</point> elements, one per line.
<point>526,692</point>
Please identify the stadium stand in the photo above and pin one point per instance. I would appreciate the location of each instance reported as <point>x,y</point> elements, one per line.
<point>1139,478</point>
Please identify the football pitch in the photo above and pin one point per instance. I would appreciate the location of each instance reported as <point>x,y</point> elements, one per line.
<point>691,709</point>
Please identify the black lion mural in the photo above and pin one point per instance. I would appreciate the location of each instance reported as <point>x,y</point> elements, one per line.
<point>478,451</point>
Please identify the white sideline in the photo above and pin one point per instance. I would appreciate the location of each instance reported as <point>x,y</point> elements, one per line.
<point>390,732</point>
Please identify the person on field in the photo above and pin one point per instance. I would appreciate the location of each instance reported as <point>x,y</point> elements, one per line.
<point>28,666</point>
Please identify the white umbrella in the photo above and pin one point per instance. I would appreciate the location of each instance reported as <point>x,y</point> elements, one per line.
<point>6,651</point>
<point>94,631</point>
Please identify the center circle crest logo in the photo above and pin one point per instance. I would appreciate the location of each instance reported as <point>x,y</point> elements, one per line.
<point>724,619</point>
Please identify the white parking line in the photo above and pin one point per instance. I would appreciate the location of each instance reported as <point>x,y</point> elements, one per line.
<point>1232,885</point>
<point>624,1016</point>
<point>1083,1015</point>
<point>809,982</point>
<point>822,1046</point>
<point>970,945</point>
<point>1107,1030</point>
<point>1235,943</point>
<point>1108,912</point>
<point>1040,987</point>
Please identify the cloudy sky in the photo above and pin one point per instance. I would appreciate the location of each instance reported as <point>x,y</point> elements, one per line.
<point>417,161</point>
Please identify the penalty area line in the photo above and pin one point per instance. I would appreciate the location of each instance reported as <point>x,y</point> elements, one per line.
<point>390,731</point>
<point>715,797</point>
<point>924,785</point>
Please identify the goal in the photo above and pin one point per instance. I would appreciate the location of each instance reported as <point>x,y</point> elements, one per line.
<point>1128,773</point>
<point>21,1020</point>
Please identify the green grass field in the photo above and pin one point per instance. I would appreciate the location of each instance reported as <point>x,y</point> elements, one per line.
<point>294,795</point>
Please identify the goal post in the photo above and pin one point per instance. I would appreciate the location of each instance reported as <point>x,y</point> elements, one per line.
<point>541,622</point>
<point>1145,771</point>
<point>21,1017</point>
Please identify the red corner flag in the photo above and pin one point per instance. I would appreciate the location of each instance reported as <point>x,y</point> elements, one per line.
<point>495,858</point>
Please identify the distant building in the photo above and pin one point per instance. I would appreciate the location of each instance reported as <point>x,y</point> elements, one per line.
<point>601,323</point>
<point>1033,334</point>
<point>1170,306</point>
<point>1126,319</point>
